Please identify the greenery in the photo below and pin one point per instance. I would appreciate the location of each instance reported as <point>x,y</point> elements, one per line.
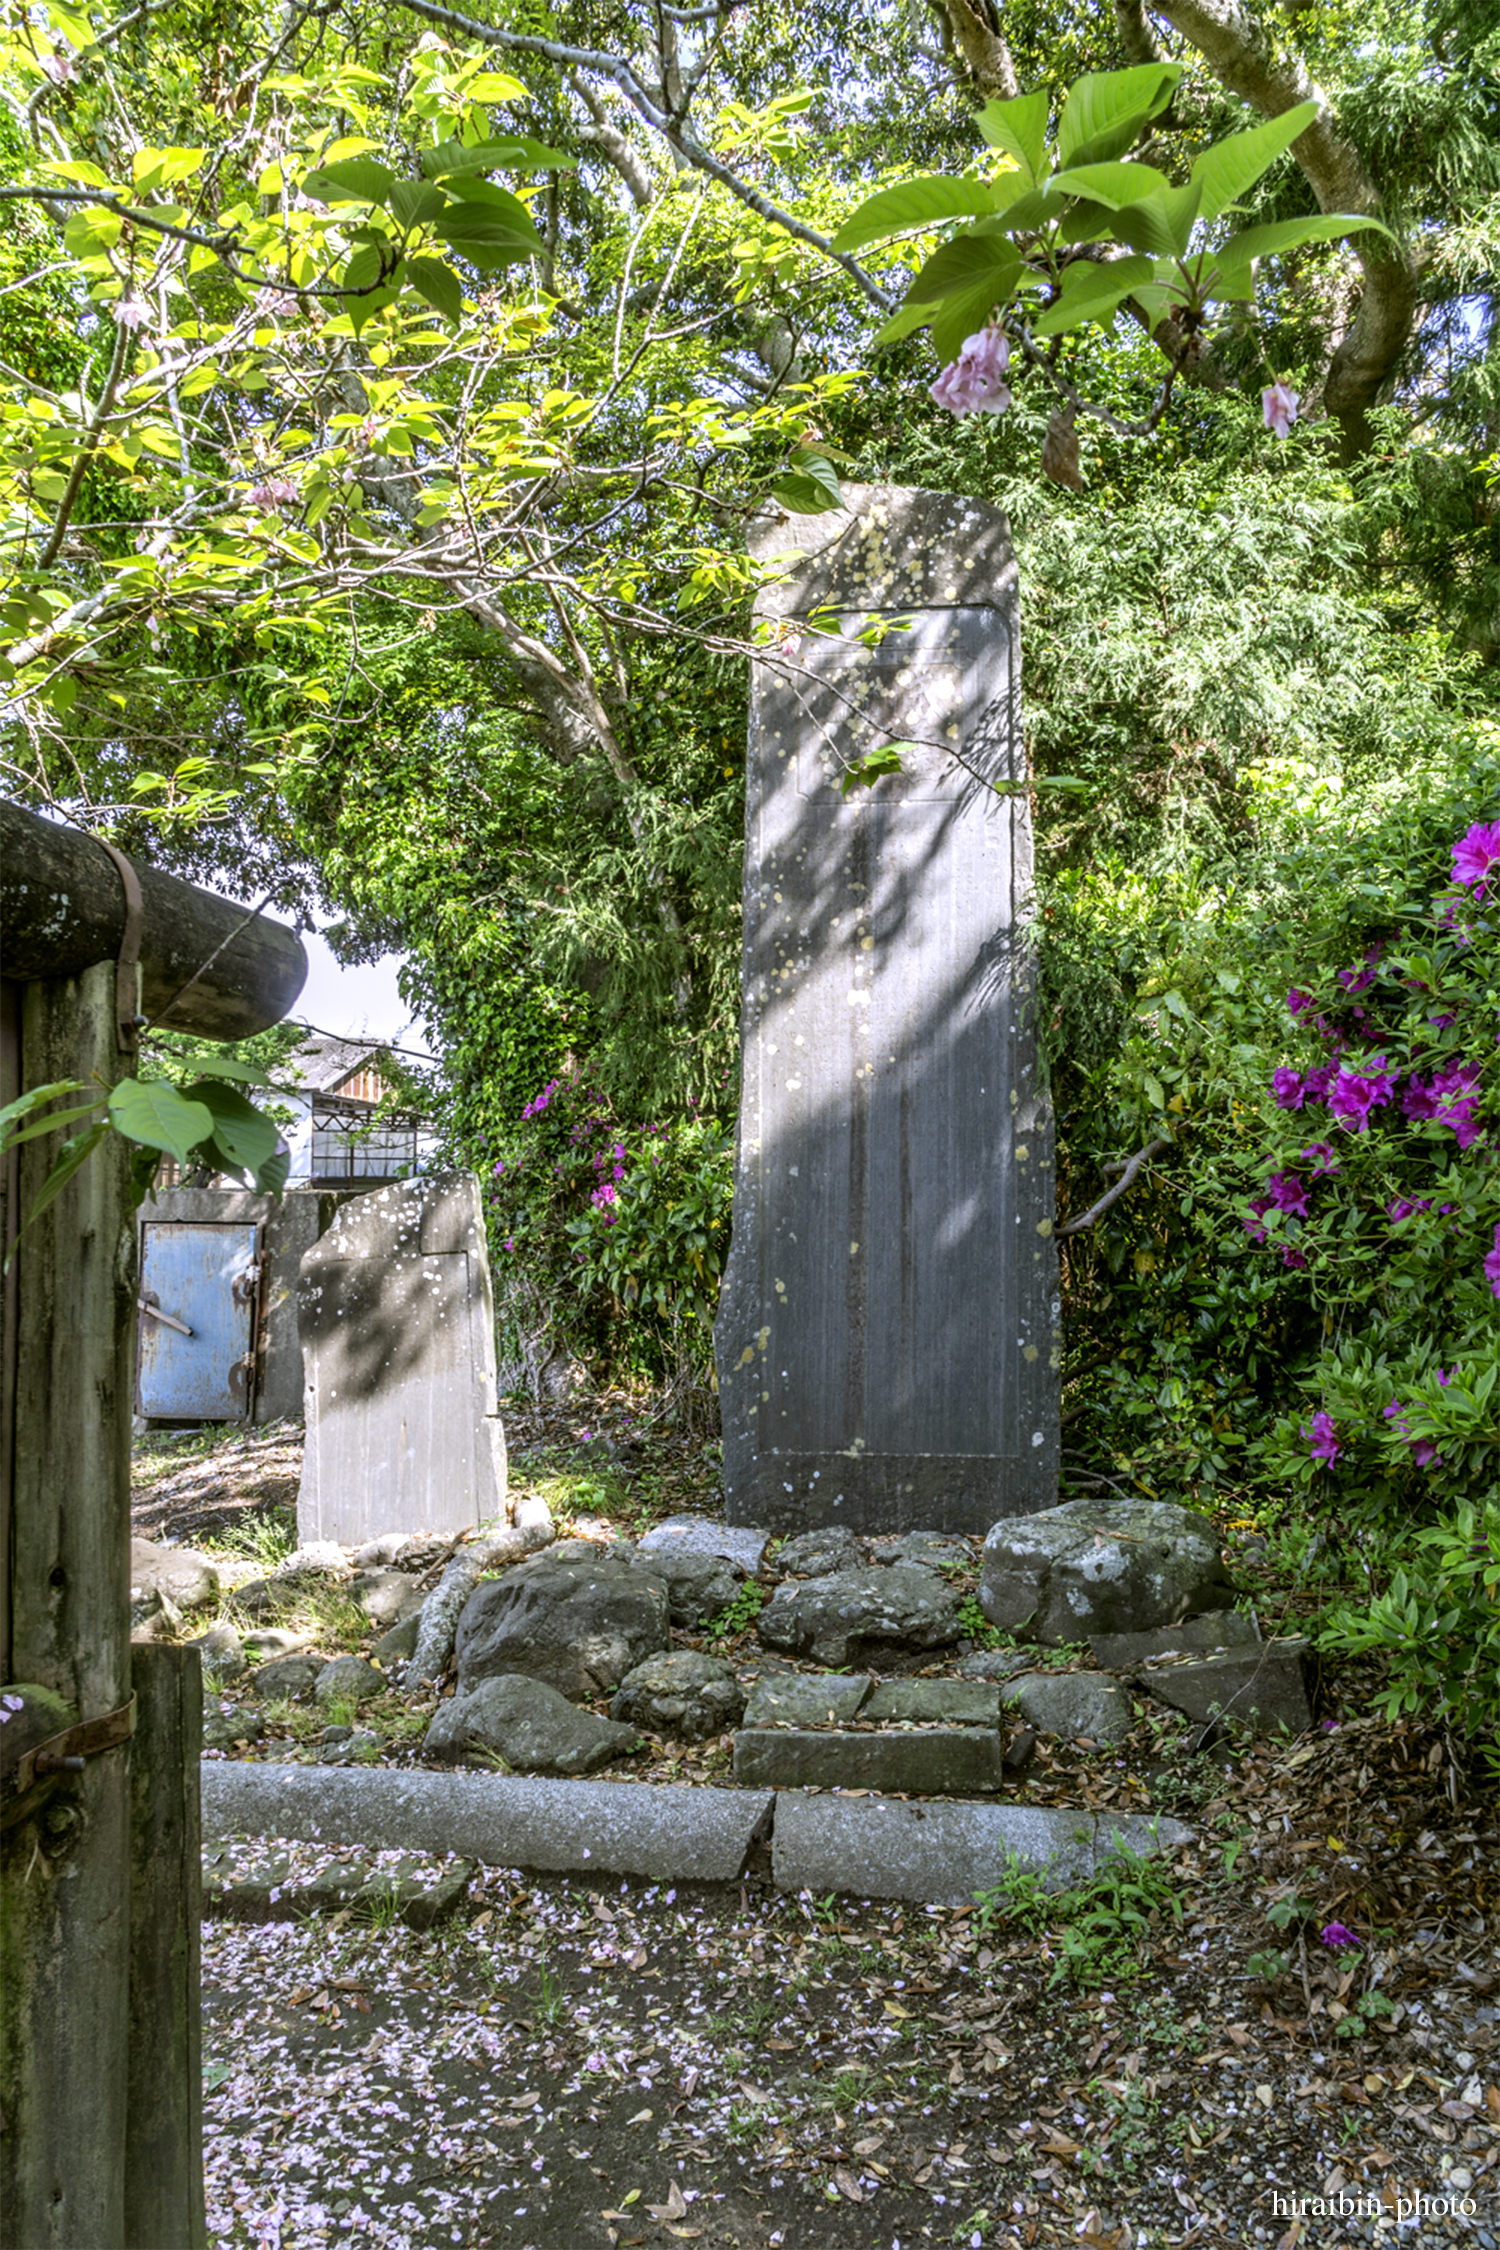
<point>1097,1929</point>
<point>385,398</point>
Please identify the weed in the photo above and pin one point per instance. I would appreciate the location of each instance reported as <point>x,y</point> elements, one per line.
<point>976,1626</point>
<point>740,1613</point>
<point>266,1540</point>
<point>1097,1927</point>
<point>380,1909</point>
<point>1364,2012</point>
<point>550,2003</point>
<point>1268,1965</point>
<point>849,2085</point>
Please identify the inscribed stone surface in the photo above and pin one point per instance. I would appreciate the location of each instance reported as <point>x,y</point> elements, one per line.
<point>398,1344</point>
<point>887,1335</point>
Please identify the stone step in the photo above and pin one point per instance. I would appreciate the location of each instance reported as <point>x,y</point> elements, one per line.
<point>256,1886</point>
<point>936,1761</point>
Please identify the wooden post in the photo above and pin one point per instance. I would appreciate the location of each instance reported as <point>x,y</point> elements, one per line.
<point>64,1871</point>
<point>164,2136</point>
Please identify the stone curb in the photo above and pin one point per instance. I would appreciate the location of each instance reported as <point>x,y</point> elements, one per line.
<point>880,1847</point>
<point>868,1847</point>
<point>670,1832</point>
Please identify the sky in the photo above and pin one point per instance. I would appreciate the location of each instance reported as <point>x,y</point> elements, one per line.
<point>355,1003</point>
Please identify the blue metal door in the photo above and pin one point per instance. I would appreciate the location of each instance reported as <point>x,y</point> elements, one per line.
<point>198,1299</point>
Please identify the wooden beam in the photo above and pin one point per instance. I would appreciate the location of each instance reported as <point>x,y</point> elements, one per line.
<point>62,908</point>
<point>64,1870</point>
<point>164,2140</point>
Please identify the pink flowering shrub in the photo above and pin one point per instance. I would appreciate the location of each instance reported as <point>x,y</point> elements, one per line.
<point>627,1227</point>
<point>1383,1187</point>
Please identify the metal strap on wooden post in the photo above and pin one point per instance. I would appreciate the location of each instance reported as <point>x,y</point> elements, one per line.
<point>74,1744</point>
<point>127,961</point>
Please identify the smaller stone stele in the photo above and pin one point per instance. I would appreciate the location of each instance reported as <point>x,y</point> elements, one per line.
<point>1095,1567</point>
<point>683,1695</point>
<point>397,1323</point>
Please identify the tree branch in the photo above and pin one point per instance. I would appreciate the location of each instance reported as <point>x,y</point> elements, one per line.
<point>1127,1167</point>
<point>1238,51</point>
<point>983,47</point>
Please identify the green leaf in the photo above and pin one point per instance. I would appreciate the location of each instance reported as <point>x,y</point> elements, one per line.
<point>1224,171</point>
<point>53,1124</point>
<point>158,1116</point>
<point>1160,226</point>
<point>416,203</point>
<point>356,179</point>
<point>923,202</point>
<point>1019,126</point>
<point>971,260</point>
<point>70,1157</point>
<point>1105,110</point>
<point>24,1104</point>
<point>1113,185</point>
<point>811,487</point>
<point>873,766</point>
<point>1231,273</point>
<point>509,155</point>
<point>241,1132</point>
<point>439,284</point>
<point>487,236</point>
<point>1093,292</point>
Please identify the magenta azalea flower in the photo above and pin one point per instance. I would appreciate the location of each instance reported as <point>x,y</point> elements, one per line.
<point>1492,1265</point>
<point>1337,1934</point>
<point>971,383</point>
<point>1297,1001</point>
<point>1322,1159</point>
<point>1422,1450</point>
<point>1288,1193</point>
<point>1259,1206</point>
<point>1475,854</point>
<point>1355,1093</point>
<point>1324,1435</point>
<point>1279,406</point>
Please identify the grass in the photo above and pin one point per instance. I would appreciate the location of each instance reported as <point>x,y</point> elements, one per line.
<point>1097,1929</point>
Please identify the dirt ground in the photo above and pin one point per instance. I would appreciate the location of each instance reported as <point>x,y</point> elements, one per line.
<point>1177,2058</point>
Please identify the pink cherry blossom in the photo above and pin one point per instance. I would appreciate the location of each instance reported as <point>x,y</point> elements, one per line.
<point>971,383</point>
<point>1279,406</point>
<point>131,311</point>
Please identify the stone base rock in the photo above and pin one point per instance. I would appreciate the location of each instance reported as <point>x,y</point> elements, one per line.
<point>818,1554</point>
<point>528,1725</point>
<point>349,1677</point>
<point>1265,1687</point>
<point>684,1696</point>
<point>931,1550</point>
<point>570,1617</point>
<point>742,1545</point>
<point>222,1730</point>
<point>847,1618</point>
<point>184,1579</point>
<point>951,1703</point>
<point>386,1596</point>
<point>1072,1704</point>
<point>289,1679</point>
<point>939,1761</point>
<point>1215,1629</point>
<point>698,1586</point>
<point>806,1699</point>
<point>994,1664</point>
<point>1095,1567</point>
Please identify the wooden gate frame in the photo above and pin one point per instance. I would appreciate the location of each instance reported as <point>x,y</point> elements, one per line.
<point>100,2070</point>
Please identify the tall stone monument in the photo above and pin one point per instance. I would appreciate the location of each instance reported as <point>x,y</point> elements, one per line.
<point>398,1348</point>
<point>888,1329</point>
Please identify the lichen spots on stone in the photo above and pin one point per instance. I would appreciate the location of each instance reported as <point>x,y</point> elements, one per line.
<point>1044,1228</point>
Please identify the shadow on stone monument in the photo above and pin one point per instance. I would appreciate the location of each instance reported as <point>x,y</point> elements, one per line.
<point>398,1340</point>
<point>888,1333</point>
